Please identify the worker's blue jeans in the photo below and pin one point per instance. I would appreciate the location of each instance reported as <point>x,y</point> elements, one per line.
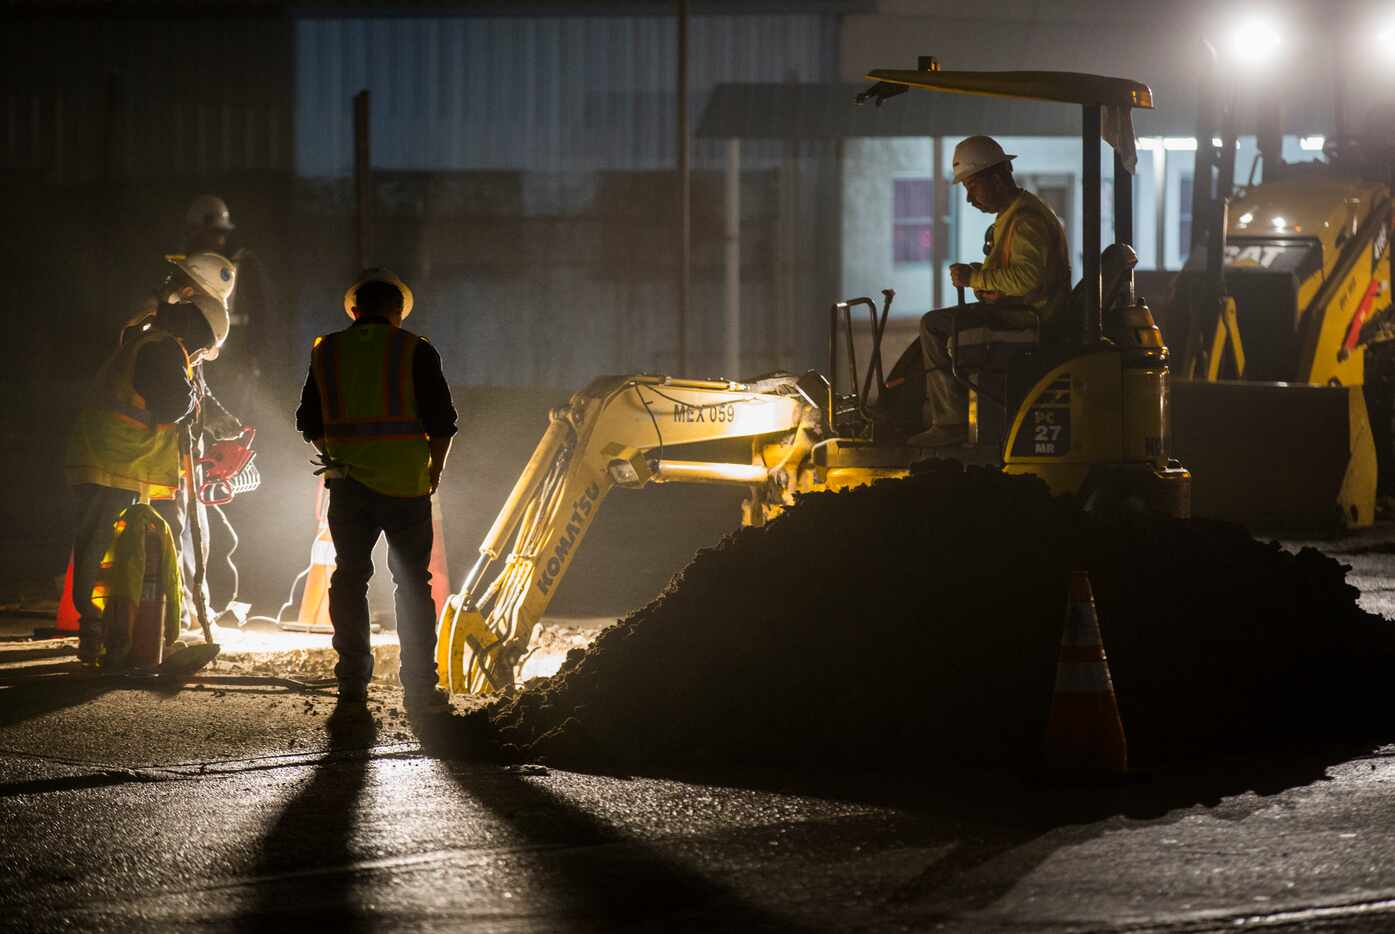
<point>357,516</point>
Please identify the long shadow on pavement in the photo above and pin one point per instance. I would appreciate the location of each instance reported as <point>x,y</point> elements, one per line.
<point>608,881</point>
<point>963,820</point>
<point>29,699</point>
<point>302,877</point>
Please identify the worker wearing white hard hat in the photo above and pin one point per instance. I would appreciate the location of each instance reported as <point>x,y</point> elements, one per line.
<point>208,223</point>
<point>1025,276</point>
<point>125,443</point>
<point>203,280</point>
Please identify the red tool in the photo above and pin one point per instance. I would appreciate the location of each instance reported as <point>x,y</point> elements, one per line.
<point>228,469</point>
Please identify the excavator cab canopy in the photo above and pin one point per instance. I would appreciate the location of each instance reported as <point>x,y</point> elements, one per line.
<point>1062,87</point>
<point>1093,93</point>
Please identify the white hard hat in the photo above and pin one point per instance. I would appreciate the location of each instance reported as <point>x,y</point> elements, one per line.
<point>216,314</point>
<point>975,154</point>
<point>212,272</point>
<point>209,211</point>
<point>378,274</point>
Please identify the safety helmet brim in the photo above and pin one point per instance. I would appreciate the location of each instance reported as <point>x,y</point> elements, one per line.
<point>378,274</point>
<point>962,177</point>
<point>216,314</point>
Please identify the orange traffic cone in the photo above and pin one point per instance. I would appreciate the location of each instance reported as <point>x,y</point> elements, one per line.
<point>67,620</point>
<point>440,576</point>
<point>1084,732</point>
<point>313,615</point>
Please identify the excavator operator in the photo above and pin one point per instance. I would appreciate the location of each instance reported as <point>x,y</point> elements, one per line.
<point>1026,273</point>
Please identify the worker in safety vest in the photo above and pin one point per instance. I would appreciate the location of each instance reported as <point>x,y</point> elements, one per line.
<point>1027,267</point>
<point>198,273</point>
<point>124,446</point>
<point>378,409</point>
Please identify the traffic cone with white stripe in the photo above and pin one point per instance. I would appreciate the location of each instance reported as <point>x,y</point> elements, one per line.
<point>313,615</point>
<point>1085,733</point>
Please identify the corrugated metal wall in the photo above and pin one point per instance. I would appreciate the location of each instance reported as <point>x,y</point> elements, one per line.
<point>525,185</point>
<point>86,99</point>
<point>545,94</point>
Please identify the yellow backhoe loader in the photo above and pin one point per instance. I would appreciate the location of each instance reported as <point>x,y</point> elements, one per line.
<point>1283,312</point>
<point>1088,418</point>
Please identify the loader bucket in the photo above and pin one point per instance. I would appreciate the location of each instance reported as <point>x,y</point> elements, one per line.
<point>466,651</point>
<point>1276,457</point>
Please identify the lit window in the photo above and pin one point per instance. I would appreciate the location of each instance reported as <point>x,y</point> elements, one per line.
<point>913,220</point>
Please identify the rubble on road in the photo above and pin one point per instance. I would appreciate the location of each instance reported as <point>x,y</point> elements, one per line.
<point>916,622</point>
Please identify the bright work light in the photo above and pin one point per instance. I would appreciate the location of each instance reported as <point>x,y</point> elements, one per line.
<point>1254,42</point>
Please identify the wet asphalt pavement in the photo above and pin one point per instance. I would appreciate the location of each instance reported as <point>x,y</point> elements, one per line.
<point>138,807</point>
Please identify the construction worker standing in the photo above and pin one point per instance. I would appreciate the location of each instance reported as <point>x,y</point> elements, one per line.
<point>212,275</point>
<point>1027,270</point>
<point>125,444</point>
<point>377,407</point>
<point>207,224</point>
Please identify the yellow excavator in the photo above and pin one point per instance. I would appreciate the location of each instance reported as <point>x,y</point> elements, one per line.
<point>1283,315</point>
<point>1088,417</point>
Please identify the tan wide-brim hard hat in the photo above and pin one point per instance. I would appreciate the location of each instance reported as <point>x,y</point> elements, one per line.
<point>378,274</point>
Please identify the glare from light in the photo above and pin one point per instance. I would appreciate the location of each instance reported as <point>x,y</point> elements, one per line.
<point>1311,143</point>
<point>1255,42</point>
<point>1279,223</point>
<point>1179,143</point>
<point>1247,217</point>
<point>1150,143</point>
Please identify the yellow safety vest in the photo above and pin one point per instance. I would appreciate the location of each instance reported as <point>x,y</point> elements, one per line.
<point>369,405</point>
<point>116,442</point>
<point>1050,291</point>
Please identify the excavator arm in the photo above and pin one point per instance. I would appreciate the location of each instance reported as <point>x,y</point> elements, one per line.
<point>619,431</point>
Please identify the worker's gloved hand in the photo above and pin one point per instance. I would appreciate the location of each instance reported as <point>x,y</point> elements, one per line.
<point>221,424</point>
<point>959,274</point>
<point>329,468</point>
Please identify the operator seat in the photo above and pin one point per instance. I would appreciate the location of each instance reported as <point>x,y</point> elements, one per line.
<point>983,355</point>
<point>990,350</point>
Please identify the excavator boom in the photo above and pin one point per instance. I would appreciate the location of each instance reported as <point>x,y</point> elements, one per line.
<point>619,431</point>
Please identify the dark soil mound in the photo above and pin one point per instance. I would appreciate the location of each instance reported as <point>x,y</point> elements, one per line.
<point>919,620</point>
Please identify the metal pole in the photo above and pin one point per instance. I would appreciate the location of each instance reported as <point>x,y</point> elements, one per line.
<point>684,184</point>
<point>1123,215</point>
<point>1123,202</point>
<point>938,228</point>
<point>1090,220</point>
<point>732,328</point>
<point>1160,208</point>
<point>363,179</point>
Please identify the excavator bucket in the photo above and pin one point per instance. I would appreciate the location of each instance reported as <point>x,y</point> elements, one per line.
<point>466,652</point>
<point>1276,457</point>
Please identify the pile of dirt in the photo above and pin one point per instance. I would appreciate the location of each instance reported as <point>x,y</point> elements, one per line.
<point>919,620</point>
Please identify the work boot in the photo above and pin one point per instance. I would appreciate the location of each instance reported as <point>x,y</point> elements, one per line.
<point>428,703</point>
<point>89,641</point>
<point>940,436</point>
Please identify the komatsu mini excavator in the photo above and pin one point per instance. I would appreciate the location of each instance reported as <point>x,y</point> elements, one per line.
<point>1087,417</point>
<point>1281,310</point>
